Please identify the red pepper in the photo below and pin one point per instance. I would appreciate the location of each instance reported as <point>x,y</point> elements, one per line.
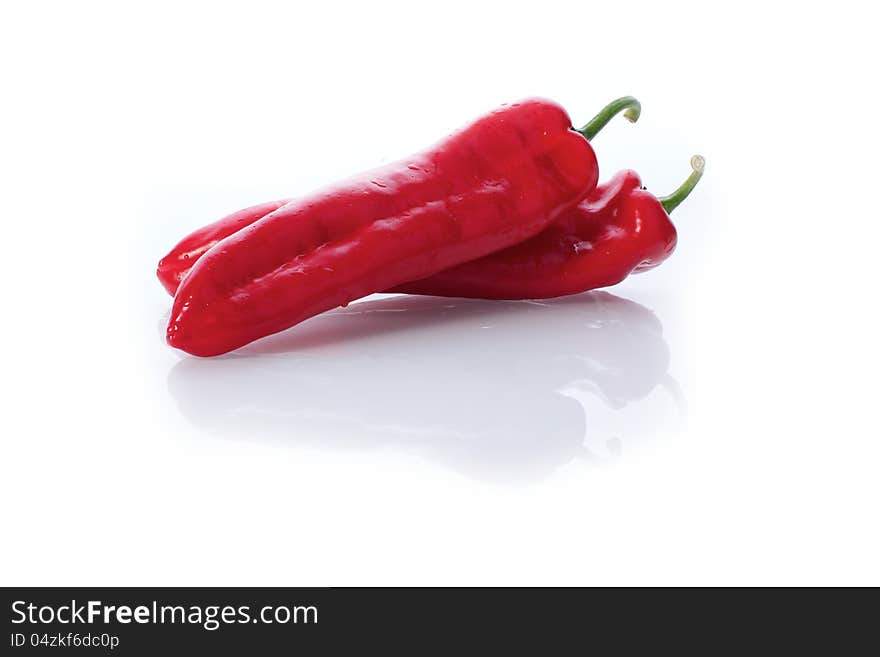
<point>174,266</point>
<point>619,229</point>
<point>489,186</point>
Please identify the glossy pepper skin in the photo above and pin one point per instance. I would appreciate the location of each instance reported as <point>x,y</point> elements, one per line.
<point>492,184</point>
<point>619,229</point>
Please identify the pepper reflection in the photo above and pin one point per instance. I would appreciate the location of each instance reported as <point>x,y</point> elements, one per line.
<point>495,389</point>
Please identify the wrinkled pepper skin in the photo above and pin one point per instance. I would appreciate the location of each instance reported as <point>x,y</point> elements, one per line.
<point>174,266</point>
<point>619,229</point>
<point>493,184</point>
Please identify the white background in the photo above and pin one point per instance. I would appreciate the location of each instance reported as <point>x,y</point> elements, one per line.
<point>714,422</point>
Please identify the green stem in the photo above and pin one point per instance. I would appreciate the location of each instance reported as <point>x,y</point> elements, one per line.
<point>630,107</point>
<point>672,201</point>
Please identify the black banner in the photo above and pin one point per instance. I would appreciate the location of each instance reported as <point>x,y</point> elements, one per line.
<point>267,621</point>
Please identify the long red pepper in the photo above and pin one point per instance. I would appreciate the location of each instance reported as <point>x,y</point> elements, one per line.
<point>175,265</point>
<point>495,183</point>
<point>619,229</point>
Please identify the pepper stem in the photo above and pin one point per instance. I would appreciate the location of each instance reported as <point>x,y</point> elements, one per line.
<point>672,201</point>
<point>630,107</point>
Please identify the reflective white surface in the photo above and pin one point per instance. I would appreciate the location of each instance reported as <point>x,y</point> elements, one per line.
<point>710,422</point>
<point>501,406</point>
